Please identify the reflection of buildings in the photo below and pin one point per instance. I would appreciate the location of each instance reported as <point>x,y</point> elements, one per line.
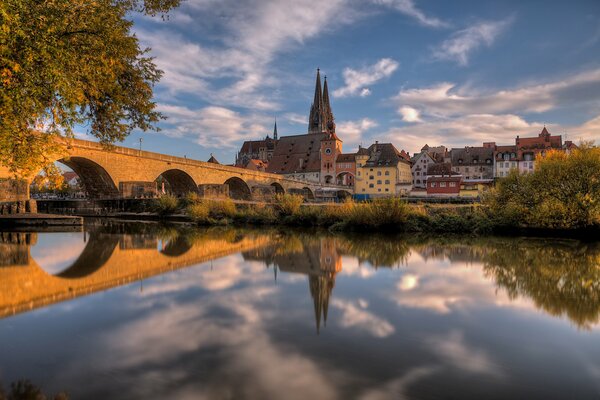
<point>14,248</point>
<point>318,258</point>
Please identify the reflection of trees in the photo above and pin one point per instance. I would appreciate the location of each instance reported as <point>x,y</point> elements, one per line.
<point>25,390</point>
<point>562,277</point>
<point>379,251</point>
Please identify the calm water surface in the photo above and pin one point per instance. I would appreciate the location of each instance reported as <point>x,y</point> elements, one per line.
<point>143,311</point>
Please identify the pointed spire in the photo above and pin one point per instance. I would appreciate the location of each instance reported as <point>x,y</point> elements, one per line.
<point>316,119</point>
<point>275,129</point>
<point>329,124</point>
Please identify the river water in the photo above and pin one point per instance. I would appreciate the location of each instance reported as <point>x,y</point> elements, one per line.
<point>144,311</point>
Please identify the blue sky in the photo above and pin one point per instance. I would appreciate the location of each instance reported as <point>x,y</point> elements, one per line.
<point>407,71</point>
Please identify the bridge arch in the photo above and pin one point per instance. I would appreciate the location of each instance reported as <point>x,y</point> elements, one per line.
<point>308,193</point>
<point>345,179</point>
<point>278,188</point>
<point>180,182</point>
<point>96,181</point>
<point>238,189</point>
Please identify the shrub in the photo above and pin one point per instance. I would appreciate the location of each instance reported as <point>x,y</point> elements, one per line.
<point>166,204</point>
<point>198,212</point>
<point>222,208</point>
<point>288,204</point>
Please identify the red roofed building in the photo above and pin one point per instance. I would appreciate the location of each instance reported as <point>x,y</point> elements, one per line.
<point>446,185</point>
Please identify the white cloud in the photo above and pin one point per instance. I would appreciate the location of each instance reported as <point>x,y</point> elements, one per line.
<point>355,315</point>
<point>356,81</point>
<point>352,131</point>
<point>454,350</point>
<point>459,46</point>
<point>213,126</point>
<point>409,114</point>
<point>251,35</point>
<point>408,7</point>
<point>296,118</point>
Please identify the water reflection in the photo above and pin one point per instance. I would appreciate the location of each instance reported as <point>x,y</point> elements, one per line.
<point>242,313</point>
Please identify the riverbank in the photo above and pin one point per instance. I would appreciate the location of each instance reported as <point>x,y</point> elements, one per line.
<point>384,215</point>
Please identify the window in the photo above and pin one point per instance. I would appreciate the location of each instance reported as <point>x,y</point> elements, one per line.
<point>418,181</point>
<point>371,177</point>
<point>379,190</point>
<point>418,173</point>
<point>371,169</point>
<point>387,190</point>
<point>358,173</point>
<point>387,181</point>
<point>379,182</point>
<point>378,173</point>
<point>442,184</point>
<point>514,164</point>
<point>452,184</point>
<point>387,173</point>
<point>466,169</point>
<point>371,185</point>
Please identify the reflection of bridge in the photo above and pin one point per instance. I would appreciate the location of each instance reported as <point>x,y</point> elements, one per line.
<point>113,173</point>
<point>108,260</point>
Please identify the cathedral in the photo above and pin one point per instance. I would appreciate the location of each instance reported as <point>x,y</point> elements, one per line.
<point>311,156</point>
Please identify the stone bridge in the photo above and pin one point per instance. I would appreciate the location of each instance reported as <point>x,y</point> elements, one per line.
<point>108,260</point>
<point>121,172</point>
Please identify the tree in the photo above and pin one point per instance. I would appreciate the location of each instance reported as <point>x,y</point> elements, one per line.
<point>562,192</point>
<point>65,63</point>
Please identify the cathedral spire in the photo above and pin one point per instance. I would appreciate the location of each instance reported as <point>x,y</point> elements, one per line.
<point>275,130</point>
<point>329,124</point>
<point>316,119</point>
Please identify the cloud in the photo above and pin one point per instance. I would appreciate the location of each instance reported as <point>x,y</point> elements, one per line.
<point>470,130</point>
<point>355,315</point>
<point>352,131</point>
<point>408,8</point>
<point>234,67</point>
<point>296,118</point>
<point>454,350</point>
<point>459,46</point>
<point>409,114</point>
<point>212,126</point>
<point>356,81</point>
<point>447,99</point>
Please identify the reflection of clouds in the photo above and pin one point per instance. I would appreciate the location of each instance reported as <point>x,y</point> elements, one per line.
<point>396,388</point>
<point>454,350</point>
<point>55,252</point>
<point>352,267</point>
<point>442,286</point>
<point>154,347</point>
<point>408,282</point>
<point>355,315</point>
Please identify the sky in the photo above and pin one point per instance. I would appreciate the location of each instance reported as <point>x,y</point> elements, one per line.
<point>409,72</point>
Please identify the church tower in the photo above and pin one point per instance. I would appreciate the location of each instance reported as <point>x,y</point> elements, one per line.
<point>320,119</point>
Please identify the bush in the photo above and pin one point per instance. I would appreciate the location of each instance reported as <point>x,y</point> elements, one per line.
<point>288,204</point>
<point>166,204</point>
<point>222,208</point>
<point>562,192</point>
<point>198,212</point>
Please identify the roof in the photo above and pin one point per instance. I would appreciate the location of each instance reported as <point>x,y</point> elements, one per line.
<point>440,169</point>
<point>299,153</point>
<point>385,154</point>
<point>362,151</point>
<point>447,178</point>
<point>213,160</point>
<point>68,175</point>
<point>252,146</point>
<point>472,156</point>
<point>349,157</point>
<point>543,141</point>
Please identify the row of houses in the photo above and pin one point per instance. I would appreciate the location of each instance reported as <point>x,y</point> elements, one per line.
<point>380,169</point>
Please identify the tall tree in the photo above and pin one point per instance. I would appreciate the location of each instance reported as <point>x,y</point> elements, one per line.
<point>68,63</point>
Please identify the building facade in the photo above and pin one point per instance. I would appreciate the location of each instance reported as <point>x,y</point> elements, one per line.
<point>382,171</point>
<point>521,156</point>
<point>473,163</point>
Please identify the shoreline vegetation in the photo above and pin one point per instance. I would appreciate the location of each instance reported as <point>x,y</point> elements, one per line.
<point>562,195</point>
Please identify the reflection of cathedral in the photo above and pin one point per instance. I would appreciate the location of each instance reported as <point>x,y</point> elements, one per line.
<point>317,258</point>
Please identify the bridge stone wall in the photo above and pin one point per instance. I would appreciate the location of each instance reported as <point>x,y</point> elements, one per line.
<point>108,173</point>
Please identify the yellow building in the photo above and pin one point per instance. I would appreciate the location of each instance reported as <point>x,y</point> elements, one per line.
<point>382,171</point>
